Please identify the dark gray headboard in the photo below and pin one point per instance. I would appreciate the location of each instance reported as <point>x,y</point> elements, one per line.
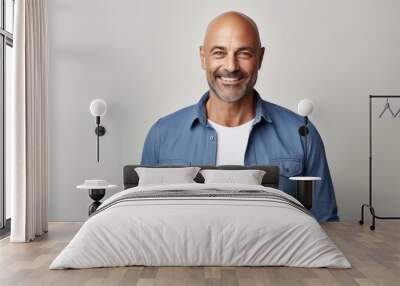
<point>270,179</point>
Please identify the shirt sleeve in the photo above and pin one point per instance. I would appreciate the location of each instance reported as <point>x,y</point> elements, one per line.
<point>324,206</point>
<point>151,147</point>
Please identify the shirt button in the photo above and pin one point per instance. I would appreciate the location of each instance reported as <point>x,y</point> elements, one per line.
<point>211,138</point>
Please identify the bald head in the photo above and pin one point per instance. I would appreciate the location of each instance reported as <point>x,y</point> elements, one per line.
<point>231,56</point>
<point>227,23</point>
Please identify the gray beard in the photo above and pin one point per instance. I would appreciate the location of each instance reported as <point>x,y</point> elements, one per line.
<point>221,97</point>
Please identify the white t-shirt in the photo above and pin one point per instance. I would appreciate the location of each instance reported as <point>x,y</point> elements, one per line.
<point>231,142</point>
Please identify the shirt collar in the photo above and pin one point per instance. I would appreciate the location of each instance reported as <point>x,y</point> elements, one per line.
<point>199,111</point>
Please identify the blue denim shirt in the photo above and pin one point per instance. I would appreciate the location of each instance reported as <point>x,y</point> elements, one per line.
<point>185,138</point>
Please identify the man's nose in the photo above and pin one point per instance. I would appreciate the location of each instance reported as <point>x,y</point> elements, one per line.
<point>231,63</point>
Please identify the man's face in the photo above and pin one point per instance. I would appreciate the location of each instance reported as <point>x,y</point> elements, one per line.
<point>231,57</point>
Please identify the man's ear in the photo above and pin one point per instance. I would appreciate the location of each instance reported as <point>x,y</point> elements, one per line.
<point>261,57</point>
<point>202,58</point>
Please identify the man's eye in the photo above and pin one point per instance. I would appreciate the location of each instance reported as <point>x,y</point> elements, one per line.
<point>245,54</point>
<point>218,53</point>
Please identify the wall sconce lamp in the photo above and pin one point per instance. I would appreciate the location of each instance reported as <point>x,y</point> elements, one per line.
<point>305,185</point>
<point>98,108</point>
<point>305,108</point>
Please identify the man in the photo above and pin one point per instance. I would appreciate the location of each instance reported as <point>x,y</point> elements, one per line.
<point>231,124</point>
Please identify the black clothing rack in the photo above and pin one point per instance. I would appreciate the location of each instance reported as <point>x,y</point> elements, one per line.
<point>369,205</point>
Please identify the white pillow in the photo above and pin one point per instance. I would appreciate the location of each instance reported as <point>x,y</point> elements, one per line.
<point>163,176</point>
<point>249,177</point>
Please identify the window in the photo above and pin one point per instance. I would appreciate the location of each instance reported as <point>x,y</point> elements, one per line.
<point>6,60</point>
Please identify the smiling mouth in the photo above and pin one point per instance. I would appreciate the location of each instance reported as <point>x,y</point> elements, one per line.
<point>229,80</point>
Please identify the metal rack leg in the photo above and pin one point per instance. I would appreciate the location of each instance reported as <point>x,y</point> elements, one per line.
<point>361,221</point>
<point>372,211</point>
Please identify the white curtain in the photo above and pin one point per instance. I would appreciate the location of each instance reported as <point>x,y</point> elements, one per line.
<point>28,122</point>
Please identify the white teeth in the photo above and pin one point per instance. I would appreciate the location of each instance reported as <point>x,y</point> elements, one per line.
<point>229,78</point>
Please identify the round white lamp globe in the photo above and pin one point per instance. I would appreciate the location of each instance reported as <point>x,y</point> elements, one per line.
<point>305,107</point>
<point>98,107</point>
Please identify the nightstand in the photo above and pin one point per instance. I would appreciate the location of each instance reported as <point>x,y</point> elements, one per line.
<point>97,190</point>
<point>305,189</point>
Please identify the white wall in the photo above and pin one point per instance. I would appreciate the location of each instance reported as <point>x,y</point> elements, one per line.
<point>142,58</point>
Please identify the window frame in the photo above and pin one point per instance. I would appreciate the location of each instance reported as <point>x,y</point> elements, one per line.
<point>6,39</point>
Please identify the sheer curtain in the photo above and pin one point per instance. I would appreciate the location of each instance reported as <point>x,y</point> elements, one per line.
<point>28,122</point>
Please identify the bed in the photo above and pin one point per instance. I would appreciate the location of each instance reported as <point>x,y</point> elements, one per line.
<point>201,224</point>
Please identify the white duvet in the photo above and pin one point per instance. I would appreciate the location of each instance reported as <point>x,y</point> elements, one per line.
<point>200,231</point>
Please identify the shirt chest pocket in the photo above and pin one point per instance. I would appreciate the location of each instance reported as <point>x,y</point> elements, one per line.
<point>288,167</point>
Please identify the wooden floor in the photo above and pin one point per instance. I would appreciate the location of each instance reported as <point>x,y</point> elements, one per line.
<point>375,256</point>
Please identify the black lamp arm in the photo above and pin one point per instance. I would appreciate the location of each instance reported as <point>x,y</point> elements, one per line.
<point>100,131</point>
<point>303,131</point>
